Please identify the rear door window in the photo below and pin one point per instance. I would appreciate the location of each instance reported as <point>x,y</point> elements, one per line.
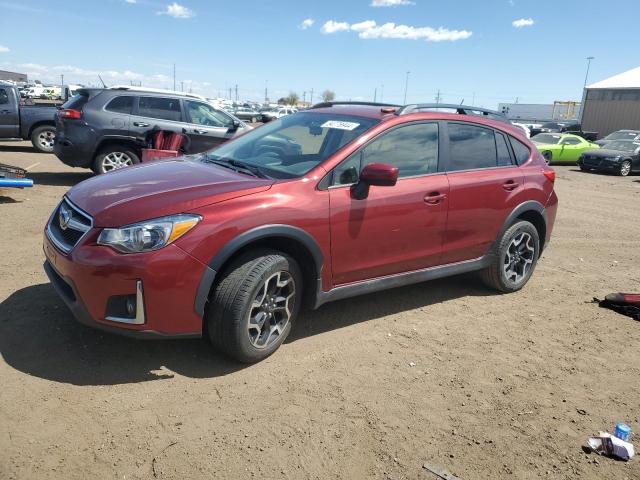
<point>120,105</point>
<point>160,108</point>
<point>471,147</point>
<point>4,97</point>
<point>504,155</point>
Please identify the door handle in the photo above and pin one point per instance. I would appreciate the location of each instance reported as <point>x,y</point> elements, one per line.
<point>199,132</point>
<point>510,185</point>
<point>435,198</point>
<point>140,124</point>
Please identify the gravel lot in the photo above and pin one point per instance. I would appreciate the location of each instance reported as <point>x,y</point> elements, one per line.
<point>482,385</point>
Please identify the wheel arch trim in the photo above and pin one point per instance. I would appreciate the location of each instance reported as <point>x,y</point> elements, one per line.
<point>528,206</point>
<point>263,232</point>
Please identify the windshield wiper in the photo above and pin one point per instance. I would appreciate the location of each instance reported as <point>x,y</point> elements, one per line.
<point>236,165</point>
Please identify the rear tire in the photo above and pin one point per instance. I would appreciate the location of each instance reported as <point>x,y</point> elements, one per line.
<point>516,258</point>
<point>254,120</point>
<point>43,138</point>
<point>114,158</point>
<point>254,305</point>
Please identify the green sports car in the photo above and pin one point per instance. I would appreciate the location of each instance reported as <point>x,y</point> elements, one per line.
<point>562,147</point>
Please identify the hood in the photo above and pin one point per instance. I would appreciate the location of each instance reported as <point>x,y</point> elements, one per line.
<point>605,152</point>
<point>160,188</point>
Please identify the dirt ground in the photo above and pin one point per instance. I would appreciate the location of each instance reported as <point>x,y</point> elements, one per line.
<point>482,385</point>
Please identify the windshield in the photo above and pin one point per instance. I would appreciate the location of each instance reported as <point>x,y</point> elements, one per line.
<point>293,145</point>
<point>621,136</point>
<point>624,146</point>
<point>546,138</point>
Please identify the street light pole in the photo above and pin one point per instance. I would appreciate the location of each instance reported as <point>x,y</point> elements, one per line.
<point>406,86</point>
<point>587,74</point>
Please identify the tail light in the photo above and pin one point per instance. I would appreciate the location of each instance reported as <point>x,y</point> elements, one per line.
<point>69,113</point>
<point>550,174</point>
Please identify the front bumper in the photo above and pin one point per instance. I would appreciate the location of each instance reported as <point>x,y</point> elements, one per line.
<point>88,276</point>
<point>600,164</point>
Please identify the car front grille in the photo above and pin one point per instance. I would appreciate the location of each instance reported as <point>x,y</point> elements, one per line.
<point>68,225</point>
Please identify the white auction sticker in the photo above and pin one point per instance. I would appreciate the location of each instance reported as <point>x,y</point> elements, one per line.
<point>339,125</point>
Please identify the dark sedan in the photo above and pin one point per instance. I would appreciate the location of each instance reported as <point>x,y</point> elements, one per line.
<point>618,156</point>
<point>620,135</point>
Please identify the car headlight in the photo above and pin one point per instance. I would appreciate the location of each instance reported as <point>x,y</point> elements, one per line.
<point>613,159</point>
<point>150,235</point>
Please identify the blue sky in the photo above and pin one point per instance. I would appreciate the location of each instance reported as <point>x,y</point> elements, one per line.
<point>469,49</point>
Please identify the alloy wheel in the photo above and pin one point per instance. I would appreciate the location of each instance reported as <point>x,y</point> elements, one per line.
<point>519,257</point>
<point>271,309</point>
<point>625,168</point>
<point>115,161</point>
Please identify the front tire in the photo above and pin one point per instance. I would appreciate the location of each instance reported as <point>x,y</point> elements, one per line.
<point>43,138</point>
<point>254,306</point>
<point>625,168</point>
<point>516,258</point>
<point>114,158</point>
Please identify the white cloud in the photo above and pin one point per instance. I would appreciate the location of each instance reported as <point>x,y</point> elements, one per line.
<point>306,23</point>
<point>176,10</point>
<point>332,27</point>
<point>390,3</point>
<point>3,49</point>
<point>369,29</point>
<point>523,22</point>
<point>130,1</point>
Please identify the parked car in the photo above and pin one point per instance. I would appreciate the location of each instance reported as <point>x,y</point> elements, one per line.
<point>617,156</point>
<point>249,114</point>
<point>562,147</point>
<point>230,243</point>
<point>633,135</point>
<point>275,113</point>
<point>572,126</point>
<point>17,121</point>
<point>104,129</point>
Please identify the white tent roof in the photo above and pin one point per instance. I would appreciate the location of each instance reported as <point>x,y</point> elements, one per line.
<point>628,79</point>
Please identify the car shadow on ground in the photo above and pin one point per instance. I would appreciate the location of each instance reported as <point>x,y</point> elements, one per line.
<point>8,147</point>
<point>39,336</point>
<point>59,179</point>
<point>4,199</point>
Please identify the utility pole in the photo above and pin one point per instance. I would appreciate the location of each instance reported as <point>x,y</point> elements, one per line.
<point>304,97</point>
<point>406,86</point>
<point>266,92</point>
<point>311,97</point>
<point>229,93</point>
<point>375,95</point>
<point>236,93</point>
<point>182,85</point>
<point>587,74</point>
<point>62,79</point>
<point>438,97</point>
<point>174,77</point>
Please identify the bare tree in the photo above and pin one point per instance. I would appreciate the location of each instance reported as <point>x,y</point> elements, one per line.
<point>328,96</point>
<point>292,98</point>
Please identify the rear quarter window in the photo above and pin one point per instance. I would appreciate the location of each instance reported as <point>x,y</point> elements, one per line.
<point>76,102</point>
<point>520,150</point>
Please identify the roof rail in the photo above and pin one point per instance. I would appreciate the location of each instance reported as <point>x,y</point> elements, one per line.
<point>156,90</point>
<point>459,109</point>
<point>371,104</point>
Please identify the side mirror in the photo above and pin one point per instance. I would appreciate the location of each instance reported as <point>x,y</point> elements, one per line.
<point>234,126</point>
<point>377,174</point>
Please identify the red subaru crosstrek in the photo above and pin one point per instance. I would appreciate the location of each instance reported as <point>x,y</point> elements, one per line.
<point>336,201</point>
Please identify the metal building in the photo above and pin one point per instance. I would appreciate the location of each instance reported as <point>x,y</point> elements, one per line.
<point>13,76</point>
<point>539,112</point>
<point>612,104</point>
